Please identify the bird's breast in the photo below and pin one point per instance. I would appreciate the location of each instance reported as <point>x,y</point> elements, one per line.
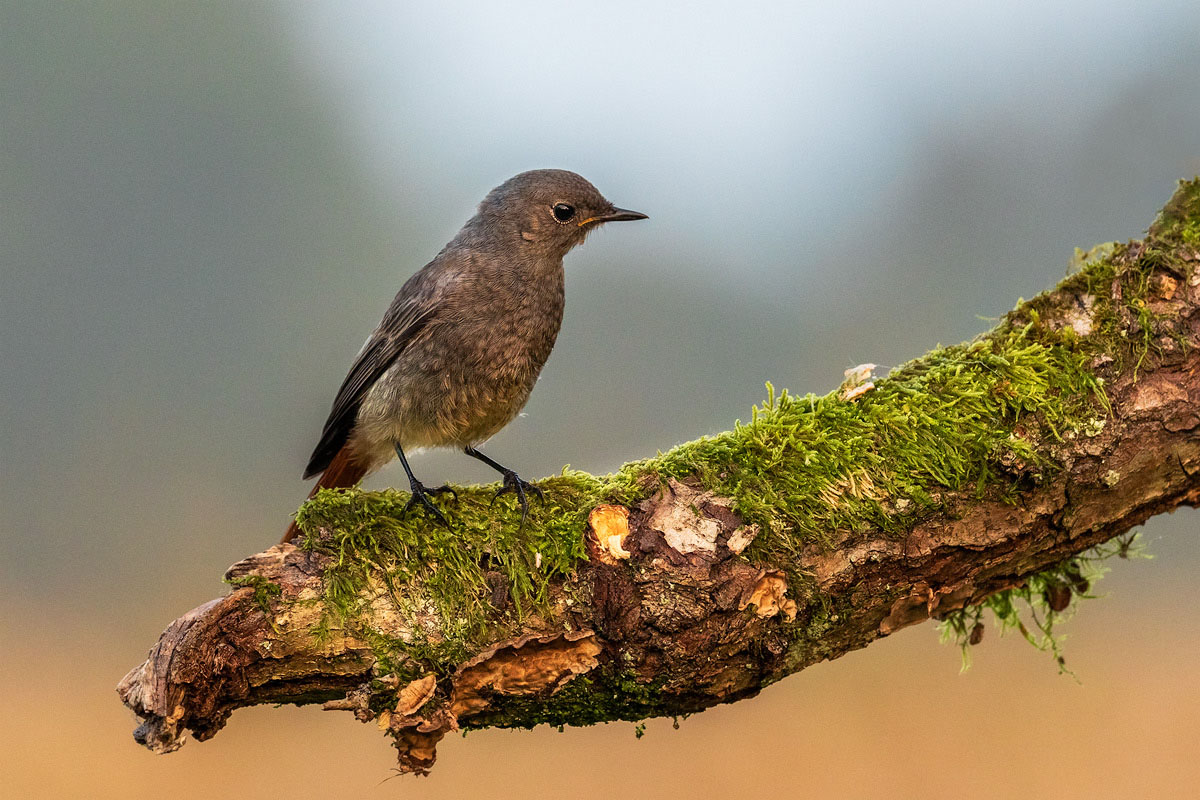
<point>470,371</point>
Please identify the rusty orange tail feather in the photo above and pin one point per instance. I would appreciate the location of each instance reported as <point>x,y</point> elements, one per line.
<point>343,471</point>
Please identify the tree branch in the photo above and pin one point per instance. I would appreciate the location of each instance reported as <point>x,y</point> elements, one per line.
<point>704,574</point>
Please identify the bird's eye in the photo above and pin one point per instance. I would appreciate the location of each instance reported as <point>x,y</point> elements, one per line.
<point>563,212</point>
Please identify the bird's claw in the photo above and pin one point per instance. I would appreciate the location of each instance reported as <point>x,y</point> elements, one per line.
<point>421,495</point>
<point>513,483</point>
<point>443,489</point>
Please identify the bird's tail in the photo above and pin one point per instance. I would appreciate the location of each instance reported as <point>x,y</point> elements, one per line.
<point>343,471</point>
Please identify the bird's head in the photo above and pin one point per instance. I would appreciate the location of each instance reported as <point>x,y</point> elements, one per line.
<point>550,210</point>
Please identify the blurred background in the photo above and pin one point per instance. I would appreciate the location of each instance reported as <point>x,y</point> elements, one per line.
<point>206,208</point>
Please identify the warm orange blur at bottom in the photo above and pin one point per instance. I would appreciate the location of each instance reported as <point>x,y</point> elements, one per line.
<point>894,720</point>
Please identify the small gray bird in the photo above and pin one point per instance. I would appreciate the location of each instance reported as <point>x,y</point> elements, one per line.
<point>459,349</point>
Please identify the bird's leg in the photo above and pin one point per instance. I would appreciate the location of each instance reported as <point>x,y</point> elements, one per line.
<point>420,494</point>
<point>512,482</point>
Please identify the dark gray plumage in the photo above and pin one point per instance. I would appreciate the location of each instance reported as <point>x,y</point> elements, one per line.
<point>461,346</point>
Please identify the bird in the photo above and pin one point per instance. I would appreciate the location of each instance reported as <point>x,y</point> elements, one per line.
<point>459,349</point>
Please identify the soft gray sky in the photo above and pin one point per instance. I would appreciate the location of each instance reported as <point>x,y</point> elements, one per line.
<point>206,207</point>
<point>755,128</point>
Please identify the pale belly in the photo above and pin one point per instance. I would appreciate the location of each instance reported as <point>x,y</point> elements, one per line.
<point>448,405</point>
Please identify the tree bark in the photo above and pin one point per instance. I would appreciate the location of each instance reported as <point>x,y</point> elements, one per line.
<point>686,587</point>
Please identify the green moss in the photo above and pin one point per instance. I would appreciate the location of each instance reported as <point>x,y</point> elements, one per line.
<point>264,590</point>
<point>1179,221</point>
<point>600,696</point>
<point>982,417</point>
<point>423,564</point>
<point>806,467</point>
<point>1042,603</point>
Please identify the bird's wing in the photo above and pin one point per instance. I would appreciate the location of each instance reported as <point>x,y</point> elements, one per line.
<point>403,322</point>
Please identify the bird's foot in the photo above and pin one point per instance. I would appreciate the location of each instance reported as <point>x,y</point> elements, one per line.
<point>421,495</point>
<point>513,483</point>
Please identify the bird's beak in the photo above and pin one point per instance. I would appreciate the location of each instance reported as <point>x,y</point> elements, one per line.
<point>616,215</point>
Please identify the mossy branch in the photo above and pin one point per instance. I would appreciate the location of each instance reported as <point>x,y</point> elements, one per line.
<point>967,477</point>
